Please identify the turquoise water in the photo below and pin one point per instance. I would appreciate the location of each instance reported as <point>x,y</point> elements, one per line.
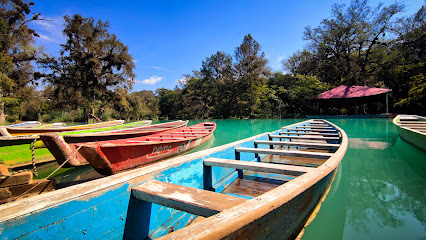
<point>379,191</point>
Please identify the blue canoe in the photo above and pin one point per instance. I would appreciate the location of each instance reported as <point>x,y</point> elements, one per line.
<point>265,187</point>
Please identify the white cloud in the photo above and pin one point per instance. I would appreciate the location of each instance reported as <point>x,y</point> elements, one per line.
<point>152,80</point>
<point>50,29</point>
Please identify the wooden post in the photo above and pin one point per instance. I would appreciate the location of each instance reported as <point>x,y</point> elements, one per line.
<point>387,103</point>
<point>207,178</point>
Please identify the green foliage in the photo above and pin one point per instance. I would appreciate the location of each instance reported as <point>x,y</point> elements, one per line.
<point>170,103</point>
<point>91,63</point>
<point>226,89</point>
<point>342,48</point>
<point>361,45</point>
<point>16,54</point>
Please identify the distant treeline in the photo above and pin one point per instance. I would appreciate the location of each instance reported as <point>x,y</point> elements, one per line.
<point>93,73</point>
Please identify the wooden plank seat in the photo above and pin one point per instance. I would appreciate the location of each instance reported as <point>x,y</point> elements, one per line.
<point>304,137</point>
<point>413,123</point>
<point>285,152</point>
<point>304,133</point>
<point>413,126</point>
<point>311,130</point>
<point>418,128</point>
<point>257,166</point>
<point>408,118</point>
<point>313,127</point>
<point>192,200</point>
<point>298,144</point>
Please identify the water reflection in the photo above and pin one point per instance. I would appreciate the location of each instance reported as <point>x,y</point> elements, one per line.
<point>382,188</point>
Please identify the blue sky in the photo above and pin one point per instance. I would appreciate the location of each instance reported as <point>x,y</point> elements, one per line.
<point>168,39</point>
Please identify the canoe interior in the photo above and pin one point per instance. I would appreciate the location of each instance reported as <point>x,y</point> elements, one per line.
<point>109,208</point>
<point>412,129</point>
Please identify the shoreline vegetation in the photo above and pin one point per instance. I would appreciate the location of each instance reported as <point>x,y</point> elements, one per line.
<point>93,73</point>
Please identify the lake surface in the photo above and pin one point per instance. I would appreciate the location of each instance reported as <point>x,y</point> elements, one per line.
<point>379,191</point>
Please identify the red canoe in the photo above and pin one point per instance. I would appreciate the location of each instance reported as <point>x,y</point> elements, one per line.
<point>111,157</point>
<point>63,147</point>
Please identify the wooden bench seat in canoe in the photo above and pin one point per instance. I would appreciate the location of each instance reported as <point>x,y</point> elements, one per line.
<point>284,152</point>
<point>256,166</point>
<point>311,130</point>
<point>304,137</point>
<point>318,134</point>
<point>313,127</point>
<point>192,200</point>
<point>298,144</point>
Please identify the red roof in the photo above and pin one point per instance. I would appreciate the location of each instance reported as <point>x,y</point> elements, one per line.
<point>352,92</point>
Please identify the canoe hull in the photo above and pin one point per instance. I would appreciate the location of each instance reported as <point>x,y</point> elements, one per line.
<point>111,160</point>
<point>415,138</point>
<point>63,147</point>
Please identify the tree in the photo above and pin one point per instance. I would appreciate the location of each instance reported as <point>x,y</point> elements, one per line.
<point>16,52</point>
<point>252,74</point>
<point>210,91</point>
<point>170,102</point>
<point>301,62</point>
<point>404,68</point>
<point>344,46</point>
<point>145,105</point>
<point>91,64</point>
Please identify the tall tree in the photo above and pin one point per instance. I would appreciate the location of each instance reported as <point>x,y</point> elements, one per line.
<point>17,51</point>
<point>252,74</point>
<point>91,64</point>
<point>344,46</point>
<point>404,69</point>
<point>170,102</point>
<point>211,90</point>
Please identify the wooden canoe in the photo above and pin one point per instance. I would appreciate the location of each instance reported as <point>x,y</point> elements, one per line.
<point>53,125</point>
<point>27,124</point>
<point>111,157</point>
<point>412,129</point>
<point>241,190</point>
<point>18,131</point>
<point>63,145</point>
<point>17,151</point>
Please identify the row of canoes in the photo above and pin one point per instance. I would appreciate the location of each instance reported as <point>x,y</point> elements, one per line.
<point>264,187</point>
<point>15,149</point>
<point>111,150</point>
<point>159,142</point>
